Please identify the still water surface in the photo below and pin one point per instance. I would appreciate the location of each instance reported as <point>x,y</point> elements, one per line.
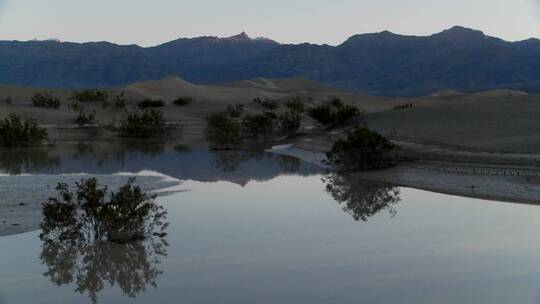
<point>260,228</point>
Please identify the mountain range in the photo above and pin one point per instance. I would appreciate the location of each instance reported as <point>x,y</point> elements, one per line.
<point>380,63</point>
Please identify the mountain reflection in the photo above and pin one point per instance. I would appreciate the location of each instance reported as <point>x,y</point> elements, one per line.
<point>131,266</point>
<point>360,198</point>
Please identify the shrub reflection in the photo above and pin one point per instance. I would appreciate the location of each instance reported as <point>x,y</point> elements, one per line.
<point>360,198</point>
<point>19,160</point>
<point>131,266</point>
<point>92,236</point>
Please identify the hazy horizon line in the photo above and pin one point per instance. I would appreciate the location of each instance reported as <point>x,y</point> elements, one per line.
<point>54,39</point>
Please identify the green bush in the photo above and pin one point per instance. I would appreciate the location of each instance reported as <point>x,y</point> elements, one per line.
<point>362,150</point>
<point>235,110</point>
<point>45,100</point>
<point>335,113</point>
<point>183,101</point>
<point>90,95</point>
<point>151,103</point>
<point>95,215</point>
<point>14,132</point>
<point>85,119</point>
<point>323,114</point>
<point>289,123</point>
<point>259,125</point>
<point>346,114</point>
<point>223,132</point>
<point>6,100</point>
<point>143,124</point>
<point>120,101</point>
<point>296,105</point>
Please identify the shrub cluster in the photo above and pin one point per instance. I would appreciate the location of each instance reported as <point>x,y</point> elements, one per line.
<point>236,110</point>
<point>91,213</point>
<point>120,101</point>
<point>6,100</point>
<point>267,103</point>
<point>259,125</point>
<point>143,124</point>
<point>183,101</point>
<point>45,100</point>
<point>85,119</point>
<point>151,103</point>
<point>362,150</point>
<point>14,132</point>
<point>223,131</point>
<point>90,95</point>
<point>404,106</point>
<point>334,113</point>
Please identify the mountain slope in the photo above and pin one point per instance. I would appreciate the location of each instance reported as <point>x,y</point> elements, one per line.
<point>381,63</point>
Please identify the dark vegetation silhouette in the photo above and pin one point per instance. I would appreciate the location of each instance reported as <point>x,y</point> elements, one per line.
<point>183,101</point>
<point>143,124</point>
<point>84,118</point>
<point>22,160</point>
<point>360,198</point>
<point>90,95</point>
<point>362,150</point>
<point>334,113</point>
<point>6,100</point>
<point>151,103</point>
<point>16,132</point>
<point>45,100</point>
<point>92,237</point>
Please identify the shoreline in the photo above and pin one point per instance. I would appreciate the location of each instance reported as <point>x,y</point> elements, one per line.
<point>501,181</point>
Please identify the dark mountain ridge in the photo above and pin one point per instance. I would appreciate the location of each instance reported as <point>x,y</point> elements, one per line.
<point>380,63</point>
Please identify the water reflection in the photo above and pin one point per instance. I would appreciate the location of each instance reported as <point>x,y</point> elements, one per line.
<point>131,266</point>
<point>360,198</point>
<point>93,236</point>
<point>19,160</point>
<point>229,161</point>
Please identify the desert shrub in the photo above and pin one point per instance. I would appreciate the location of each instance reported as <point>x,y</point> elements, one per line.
<point>267,103</point>
<point>289,123</point>
<point>346,114</point>
<point>143,124</point>
<point>404,106</point>
<point>6,100</point>
<point>323,114</point>
<point>151,103</point>
<point>45,100</point>
<point>296,105</point>
<point>223,132</point>
<point>120,101</point>
<point>259,125</point>
<point>84,118</point>
<point>90,95</point>
<point>183,101</point>
<point>14,132</point>
<point>95,214</point>
<point>74,105</point>
<point>235,110</point>
<point>362,150</point>
<point>335,113</point>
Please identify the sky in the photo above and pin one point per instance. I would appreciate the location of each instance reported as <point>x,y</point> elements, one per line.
<point>151,22</point>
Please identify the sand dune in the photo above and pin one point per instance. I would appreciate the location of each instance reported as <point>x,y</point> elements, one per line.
<point>502,120</point>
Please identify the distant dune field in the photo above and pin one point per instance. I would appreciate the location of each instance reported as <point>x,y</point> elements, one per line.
<point>502,120</point>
